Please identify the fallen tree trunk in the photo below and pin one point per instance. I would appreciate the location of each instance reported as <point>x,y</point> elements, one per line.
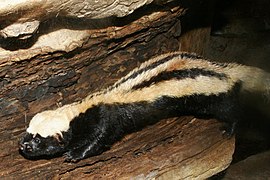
<point>63,65</point>
<point>172,149</point>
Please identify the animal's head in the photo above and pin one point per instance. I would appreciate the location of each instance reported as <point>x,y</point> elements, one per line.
<point>48,134</point>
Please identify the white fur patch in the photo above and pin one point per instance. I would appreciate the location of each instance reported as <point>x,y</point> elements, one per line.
<point>48,123</point>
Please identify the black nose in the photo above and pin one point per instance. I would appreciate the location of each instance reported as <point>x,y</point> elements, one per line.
<point>26,147</point>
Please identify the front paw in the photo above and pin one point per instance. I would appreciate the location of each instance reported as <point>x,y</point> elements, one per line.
<point>72,156</point>
<point>80,153</point>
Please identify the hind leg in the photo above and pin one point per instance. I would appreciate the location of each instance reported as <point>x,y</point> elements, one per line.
<point>229,112</point>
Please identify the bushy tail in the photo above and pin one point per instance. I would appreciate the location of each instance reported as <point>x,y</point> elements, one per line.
<point>253,79</point>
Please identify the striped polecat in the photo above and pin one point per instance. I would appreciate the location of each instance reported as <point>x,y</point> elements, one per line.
<point>169,85</point>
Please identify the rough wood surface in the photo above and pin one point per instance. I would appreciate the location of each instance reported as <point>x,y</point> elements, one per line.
<point>172,149</point>
<point>35,79</point>
<point>22,17</point>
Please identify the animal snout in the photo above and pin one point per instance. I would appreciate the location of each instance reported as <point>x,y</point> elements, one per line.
<point>26,146</point>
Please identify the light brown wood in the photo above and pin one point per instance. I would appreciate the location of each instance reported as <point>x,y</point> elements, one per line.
<point>22,17</point>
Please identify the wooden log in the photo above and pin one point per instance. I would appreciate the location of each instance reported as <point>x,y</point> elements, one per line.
<point>39,78</point>
<point>172,149</point>
<point>22,10</point>
<point>23,17</point>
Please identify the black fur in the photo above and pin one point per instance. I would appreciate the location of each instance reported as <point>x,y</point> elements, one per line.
<point>101,126</point>
<point>190,55</point>
<point>39,147</point>
<point>152,66</point>
<point>180,74</point>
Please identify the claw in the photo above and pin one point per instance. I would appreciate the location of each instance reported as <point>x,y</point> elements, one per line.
<point>68,158</point>
<point>228,130</point>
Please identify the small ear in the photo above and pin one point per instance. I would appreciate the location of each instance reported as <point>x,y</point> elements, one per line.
<point>34,135</point>
<point>58,137</point>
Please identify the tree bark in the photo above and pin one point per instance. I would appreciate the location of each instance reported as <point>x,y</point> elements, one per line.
<point>22,17</point>
<point>60,65</point>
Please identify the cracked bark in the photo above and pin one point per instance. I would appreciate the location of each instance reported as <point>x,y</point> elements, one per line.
<point>21,18</point>
<point>43,76</point>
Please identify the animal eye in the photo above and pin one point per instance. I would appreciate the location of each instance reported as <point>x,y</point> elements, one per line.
<point>37,140</point>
